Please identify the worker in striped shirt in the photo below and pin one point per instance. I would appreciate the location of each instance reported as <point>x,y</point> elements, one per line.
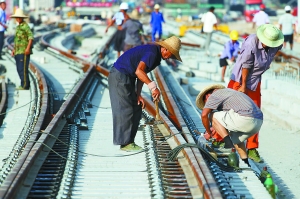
<point>233,115</point>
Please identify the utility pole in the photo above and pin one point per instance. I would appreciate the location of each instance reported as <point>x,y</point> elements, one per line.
<point>21,4</point>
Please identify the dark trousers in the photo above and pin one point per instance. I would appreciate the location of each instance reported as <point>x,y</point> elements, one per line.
<point>1,42</point>
<point>126,113</point>
<point>22,68</point>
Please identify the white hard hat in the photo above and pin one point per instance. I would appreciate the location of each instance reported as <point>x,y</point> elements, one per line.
<point>2,1</point>
<point>124,6</point>
<point>287,8</point>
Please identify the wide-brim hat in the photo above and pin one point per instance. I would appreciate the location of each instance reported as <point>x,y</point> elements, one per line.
<point>270,35</point>
<point>173,44</point>
<point>199,100</point>
<point>19,14</point>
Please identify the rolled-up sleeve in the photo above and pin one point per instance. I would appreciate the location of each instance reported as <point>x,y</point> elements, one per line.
<point>247,58</point>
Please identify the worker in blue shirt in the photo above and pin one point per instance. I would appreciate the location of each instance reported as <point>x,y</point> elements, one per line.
<point>230,52</point>
<point>126,79</point>
<point>157,19</point>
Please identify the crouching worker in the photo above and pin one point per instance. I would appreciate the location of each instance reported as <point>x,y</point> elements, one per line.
<point>233,115</point>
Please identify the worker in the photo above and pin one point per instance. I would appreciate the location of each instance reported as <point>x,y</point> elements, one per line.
<point>233,115</point>
<point>230,52</point>
<point>133,33</point>
<point>261,17</point>
<point>209,20</point>
<point>126,79</point>
<point>156,21</point>
<point>3,25</point>
<point>287,26</point>
<point>22,48</point>
<point>256,54</point>
<point>118,19</point>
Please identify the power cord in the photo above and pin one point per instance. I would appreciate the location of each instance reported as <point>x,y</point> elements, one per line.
<point>172,155</point>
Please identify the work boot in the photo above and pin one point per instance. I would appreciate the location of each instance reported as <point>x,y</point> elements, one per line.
<point>254,155</point>
<point>132,147</point>
<point>20,88</point>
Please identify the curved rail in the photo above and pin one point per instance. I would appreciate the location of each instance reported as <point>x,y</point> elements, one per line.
<point>86,64</point>
<point>20,183</point>
<point>16,172</point>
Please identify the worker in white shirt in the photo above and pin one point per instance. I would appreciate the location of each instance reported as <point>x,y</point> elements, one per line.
<point>209,20</point>
<point>261,17</point>
<point>3,25</point>
<point>287,26</point>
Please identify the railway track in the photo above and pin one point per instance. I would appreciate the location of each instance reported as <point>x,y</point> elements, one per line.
<point>68,153</point>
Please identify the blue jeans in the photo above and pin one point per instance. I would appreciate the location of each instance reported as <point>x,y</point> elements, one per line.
<point>22,68</point>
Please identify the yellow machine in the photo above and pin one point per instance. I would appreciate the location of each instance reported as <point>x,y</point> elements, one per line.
<point>183,28</point>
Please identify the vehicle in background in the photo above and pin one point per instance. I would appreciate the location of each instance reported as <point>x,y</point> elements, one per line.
<point>270,12</point>
<point>248,7</point>
<point>251,8</point>
<point>295,11</point>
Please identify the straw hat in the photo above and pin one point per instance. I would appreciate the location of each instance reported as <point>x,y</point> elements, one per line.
<point>270,35</point>
<point>199,100</point>
<point>19,14</point>
<point>173,45</point>
<point>156,6</point>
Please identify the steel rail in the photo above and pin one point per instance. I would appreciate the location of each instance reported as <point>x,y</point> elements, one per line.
<point>21,184</point>
<point>207,179</point>
<point>69,55</point>
<point>3,102</point>
<point>207,182</point>
<point>16,170</point>
<point>39,152</point>
<point>200,169</point>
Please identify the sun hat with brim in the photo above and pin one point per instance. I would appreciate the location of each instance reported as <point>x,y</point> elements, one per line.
<point>199,100</point>
<point>173,44</point>
<point>19,14</point>
<point>270,35</point>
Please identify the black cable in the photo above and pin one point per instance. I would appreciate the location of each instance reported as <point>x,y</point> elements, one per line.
<point>174,153</point>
